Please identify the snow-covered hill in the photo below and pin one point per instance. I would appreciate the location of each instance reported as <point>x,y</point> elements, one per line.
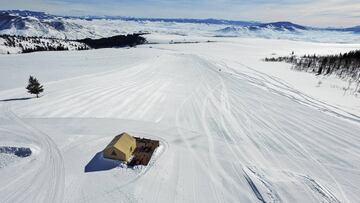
<point>277,26</point>
<point>281,26</point>
<point>19,44</point>
<point>29,23</point>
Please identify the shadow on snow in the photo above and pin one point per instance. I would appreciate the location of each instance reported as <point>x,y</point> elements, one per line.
<point>16,99</point>
<point>99,163</point>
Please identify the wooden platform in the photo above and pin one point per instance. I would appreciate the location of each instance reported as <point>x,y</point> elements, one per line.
<point>144,151</point>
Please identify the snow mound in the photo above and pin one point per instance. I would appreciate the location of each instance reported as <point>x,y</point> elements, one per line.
<point>9,155</point>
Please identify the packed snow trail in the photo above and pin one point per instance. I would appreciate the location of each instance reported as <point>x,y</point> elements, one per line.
<point>227,139</point>
<point>45,173</point>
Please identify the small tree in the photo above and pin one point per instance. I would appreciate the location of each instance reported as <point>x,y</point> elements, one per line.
<point>34,87</point>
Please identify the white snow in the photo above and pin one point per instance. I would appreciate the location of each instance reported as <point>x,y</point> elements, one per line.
<point>6,159</point>
<point>6,49</point>
<point>252,132</point>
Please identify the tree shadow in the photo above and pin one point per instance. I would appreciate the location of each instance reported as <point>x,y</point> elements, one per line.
<point>99,163</point>
<point>16,99</point>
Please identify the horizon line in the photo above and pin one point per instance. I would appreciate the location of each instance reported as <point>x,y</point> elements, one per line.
<point>173,18</point>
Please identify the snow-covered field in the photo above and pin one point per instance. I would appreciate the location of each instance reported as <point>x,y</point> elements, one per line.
<point>232,128</point>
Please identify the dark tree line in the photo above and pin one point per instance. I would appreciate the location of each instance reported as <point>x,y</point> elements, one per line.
<point>345,65</point>
<point>47,48</point>
<point>129,40</point>
<point>25,38</point>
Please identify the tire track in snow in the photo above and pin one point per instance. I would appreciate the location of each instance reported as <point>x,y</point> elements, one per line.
<point>267,81</point>
<point>214,184</point>
<point>49,175</point>
<point>253,187</point>
<point>325,194</point>
<point>225,114</point>
<point>203,109</point>
<point>296,144</point>
<point>306,153</point>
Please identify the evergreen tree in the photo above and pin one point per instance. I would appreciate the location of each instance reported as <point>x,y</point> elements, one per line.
<point>34,87</point>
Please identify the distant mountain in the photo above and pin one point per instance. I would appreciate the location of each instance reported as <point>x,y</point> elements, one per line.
<point>275,26</point>
<point>43,16</point>
<point>32,23</point>
<point>283,26</point>
<point>203,21</point>
<point>230,29</point>
<point>25,13</point>
<point>355,29</point>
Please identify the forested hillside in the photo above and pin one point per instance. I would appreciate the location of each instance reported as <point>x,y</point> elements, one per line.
<point>19,44</point>
<point>344,65</point>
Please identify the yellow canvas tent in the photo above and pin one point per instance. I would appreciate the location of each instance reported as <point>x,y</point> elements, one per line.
<point>121,147</point>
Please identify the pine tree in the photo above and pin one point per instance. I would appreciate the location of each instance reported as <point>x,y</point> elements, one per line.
<point>34,87</point>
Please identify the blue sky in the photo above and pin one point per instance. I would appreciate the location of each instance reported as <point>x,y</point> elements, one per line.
<point>323,13</point>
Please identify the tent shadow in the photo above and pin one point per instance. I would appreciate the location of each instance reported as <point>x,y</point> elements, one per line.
<point>99,163</point>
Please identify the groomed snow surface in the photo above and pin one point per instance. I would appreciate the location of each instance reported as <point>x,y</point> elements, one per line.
<point>232,128</point>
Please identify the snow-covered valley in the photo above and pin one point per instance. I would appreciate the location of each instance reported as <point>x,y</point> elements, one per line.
<point>232,127</point>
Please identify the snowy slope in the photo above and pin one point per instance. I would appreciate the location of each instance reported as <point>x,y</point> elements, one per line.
<point>18,44</point>
<point>235,135</point>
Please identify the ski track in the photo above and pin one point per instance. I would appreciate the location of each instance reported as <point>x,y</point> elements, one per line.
<point>49,166</point>
<point>228,138</point>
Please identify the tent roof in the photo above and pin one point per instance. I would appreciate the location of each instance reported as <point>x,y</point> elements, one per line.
<point>121,142</point>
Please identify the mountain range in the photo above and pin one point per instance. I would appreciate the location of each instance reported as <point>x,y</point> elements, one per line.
<point>33,23</point>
